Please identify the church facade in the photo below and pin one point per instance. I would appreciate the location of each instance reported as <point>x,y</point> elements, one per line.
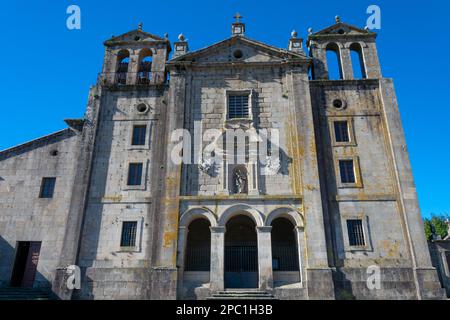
<point>239,168</point>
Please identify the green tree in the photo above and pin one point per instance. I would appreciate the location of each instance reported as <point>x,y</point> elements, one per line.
<point>428,229</point>
<point>437,225</point>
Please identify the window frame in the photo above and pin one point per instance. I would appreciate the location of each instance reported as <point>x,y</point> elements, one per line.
<point>351,131</point>
<point>144,179</point>
<point>346,236</point>
<point>148,135</point>
<point>139,231</point>
<point>141,175</point>
<point>42,187</point>
<point>249,94</point>
<point>131,240</point>
<point>141,139</point>
<point>356,233</point>
<point>357,172</point>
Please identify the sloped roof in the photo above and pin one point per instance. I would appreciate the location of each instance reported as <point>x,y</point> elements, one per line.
<point>36,143</point>
<point>134,36</point>
<point>282,53</point>
<point>342,29</point>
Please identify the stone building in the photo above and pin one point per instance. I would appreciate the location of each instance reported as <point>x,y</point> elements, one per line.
<point>320,197</point>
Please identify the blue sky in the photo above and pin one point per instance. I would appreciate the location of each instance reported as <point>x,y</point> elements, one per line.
<point>47,69</point>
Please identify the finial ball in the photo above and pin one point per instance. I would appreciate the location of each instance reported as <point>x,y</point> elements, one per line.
<point>338,19</point>
<point>294,34</point>
<point>310,30</point>
<point>181,37</point>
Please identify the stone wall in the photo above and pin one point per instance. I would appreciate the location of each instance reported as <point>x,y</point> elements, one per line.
<point>26,217</point>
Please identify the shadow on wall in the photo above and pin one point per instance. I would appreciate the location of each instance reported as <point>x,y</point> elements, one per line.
<point>343,287</point>
<point>7,266</point>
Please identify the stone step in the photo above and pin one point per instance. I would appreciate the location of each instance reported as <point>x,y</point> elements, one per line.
<point>243,292</point>
<point>242,295</point>
<point>24,294</point>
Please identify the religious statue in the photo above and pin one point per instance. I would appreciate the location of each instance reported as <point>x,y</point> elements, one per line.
<point>240,180</point>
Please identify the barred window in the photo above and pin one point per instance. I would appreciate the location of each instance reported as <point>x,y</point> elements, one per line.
<point>347,171</point>
<point>238,106</point>
<point>341,131</point>
<point>135,174</point>
<point>128,238</point>
<point>355,233</point>
<point>47,188</point>
<point>139,133</point>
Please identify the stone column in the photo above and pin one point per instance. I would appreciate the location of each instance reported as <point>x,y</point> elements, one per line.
<point>265,272</point>
<point>217,259</point>
<point>225,187</point>
<point>252,181</point>
<point>372,63</point>
<point>181,248</point>
<point>133,69</point>
<point>320,58</point>
<point>300,238</point>
<point>318,273</point>
<point>346,64</point>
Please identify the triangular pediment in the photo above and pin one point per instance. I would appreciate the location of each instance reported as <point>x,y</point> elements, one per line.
<point>228,51</point>
<point>342,29</point>
<point>134,36</point>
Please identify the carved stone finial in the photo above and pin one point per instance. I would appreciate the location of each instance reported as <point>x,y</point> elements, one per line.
<point>310,30</point>
<point>294,34</point>
<point>181,37</point>
<point>140,25</point>
<point>166,35</point>
<point>338,19</point>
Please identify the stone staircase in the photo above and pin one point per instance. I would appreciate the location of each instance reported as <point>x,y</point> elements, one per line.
<point>237,294</point>
<point>24,294</point>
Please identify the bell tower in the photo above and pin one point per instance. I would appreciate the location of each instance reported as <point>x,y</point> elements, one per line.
<point>343,39</point>
<point>135,58</point>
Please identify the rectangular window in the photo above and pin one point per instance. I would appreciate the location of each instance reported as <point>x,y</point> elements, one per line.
<point>135,174</point>
<point>128,238</point>
<point>47,188</point>
<point>355,233</point>
<point>238,106</point>
<point>347,170</point>
<point>139,133</point>
<point>341,131</point>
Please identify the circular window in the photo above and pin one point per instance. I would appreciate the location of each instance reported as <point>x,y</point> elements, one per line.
<point>341,31</point>
<point>54,153</point>
<point>238,54</point>
<point>142,108</point>
<point>338,104</point>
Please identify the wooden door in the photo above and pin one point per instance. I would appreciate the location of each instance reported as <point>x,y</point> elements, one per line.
<point>31,265</point>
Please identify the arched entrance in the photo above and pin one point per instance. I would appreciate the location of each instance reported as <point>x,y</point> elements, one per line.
<point>241,253</point>
<point>285,260</point>
<point>198,246</point>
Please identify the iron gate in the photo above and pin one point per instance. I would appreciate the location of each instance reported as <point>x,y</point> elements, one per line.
<point>241,258</point>
<point>284,258</point>
<point>198,258</point>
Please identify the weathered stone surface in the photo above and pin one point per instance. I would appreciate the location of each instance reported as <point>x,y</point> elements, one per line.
<point>82,223</point>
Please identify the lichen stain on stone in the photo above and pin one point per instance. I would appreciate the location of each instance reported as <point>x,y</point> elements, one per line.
<point>390,247</point>
<point>169,238</point>
<point>295,151</point>
<point>116,198</point>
